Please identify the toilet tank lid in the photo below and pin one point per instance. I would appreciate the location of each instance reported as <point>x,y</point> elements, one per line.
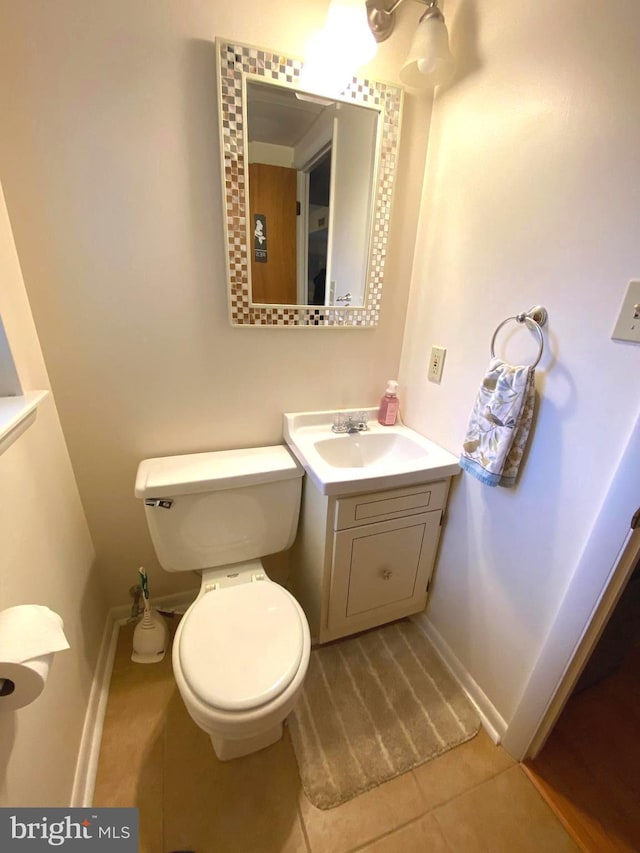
<point>193,473</point>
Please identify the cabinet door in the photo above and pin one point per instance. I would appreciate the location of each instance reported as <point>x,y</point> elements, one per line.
<point>380,571</point>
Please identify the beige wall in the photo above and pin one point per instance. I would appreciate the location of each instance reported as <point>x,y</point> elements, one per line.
<point>110,162</point>
<point>530,196</point>
<point>46,558</point>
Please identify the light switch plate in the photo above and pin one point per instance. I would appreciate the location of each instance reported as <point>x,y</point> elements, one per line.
<point>436,361</point>
<point>628,325</point>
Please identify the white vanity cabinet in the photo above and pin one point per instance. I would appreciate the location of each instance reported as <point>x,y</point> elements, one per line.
<point>366,559</point>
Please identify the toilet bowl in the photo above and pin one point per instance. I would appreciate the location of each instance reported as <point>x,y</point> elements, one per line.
<point>240,655</point>
<point>241,651</point>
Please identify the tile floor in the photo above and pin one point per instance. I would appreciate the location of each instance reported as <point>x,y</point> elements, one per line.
<point>473,798</point>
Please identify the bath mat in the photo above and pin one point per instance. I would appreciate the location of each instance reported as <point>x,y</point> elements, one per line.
<point>374,706</point>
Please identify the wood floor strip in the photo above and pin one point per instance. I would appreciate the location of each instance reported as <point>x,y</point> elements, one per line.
<point>589,769</point>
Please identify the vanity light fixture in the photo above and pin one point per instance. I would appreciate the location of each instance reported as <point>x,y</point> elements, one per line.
<point>429,62</point>
<point>349,39</point>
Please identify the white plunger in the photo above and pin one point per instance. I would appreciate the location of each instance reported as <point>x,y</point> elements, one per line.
<point>151,634</point>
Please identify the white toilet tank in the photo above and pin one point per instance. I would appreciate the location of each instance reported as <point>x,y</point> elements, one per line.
<point>211,509</point>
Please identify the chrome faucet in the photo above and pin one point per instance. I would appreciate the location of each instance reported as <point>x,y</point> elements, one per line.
<point>350,424</point>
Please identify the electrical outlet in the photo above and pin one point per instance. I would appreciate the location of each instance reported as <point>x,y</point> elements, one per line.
<point>436,361</point>
<point>628,325</point>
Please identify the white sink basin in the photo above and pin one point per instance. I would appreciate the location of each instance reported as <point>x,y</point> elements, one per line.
<point>368,449</point>
<point>381,457</point>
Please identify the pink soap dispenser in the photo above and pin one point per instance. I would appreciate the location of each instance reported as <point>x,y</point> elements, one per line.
<point>389,405</point>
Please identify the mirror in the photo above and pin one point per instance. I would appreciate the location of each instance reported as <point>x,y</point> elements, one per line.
<point>311,166</point>
<point>307,185</point>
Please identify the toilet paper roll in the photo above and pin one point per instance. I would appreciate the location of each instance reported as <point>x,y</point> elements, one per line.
<point>21,683</point>
<point>29,635</point>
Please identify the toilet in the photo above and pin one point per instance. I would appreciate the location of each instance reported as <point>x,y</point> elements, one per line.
<point>241,651</point>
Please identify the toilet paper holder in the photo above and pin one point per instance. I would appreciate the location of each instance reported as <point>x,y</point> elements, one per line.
<point>7,686</point>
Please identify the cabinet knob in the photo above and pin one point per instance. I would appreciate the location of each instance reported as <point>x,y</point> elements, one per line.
<point>386,574</point>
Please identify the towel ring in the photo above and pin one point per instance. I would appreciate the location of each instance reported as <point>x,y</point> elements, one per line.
<point>534,318</point>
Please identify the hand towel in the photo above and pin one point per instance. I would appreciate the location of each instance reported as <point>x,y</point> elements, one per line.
<point>499,424</point>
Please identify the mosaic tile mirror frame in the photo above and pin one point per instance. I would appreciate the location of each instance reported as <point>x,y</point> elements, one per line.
<point>234,62</point>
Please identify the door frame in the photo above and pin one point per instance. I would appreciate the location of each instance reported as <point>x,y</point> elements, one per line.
<point>302,238</point>
<point>592,593</point>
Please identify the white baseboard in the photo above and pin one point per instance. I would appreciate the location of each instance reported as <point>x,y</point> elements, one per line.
<point>492,721</point>
<point>87,763</point>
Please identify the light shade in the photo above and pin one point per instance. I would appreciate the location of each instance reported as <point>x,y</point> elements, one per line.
<point>429,62</point>
<point>339,49</point>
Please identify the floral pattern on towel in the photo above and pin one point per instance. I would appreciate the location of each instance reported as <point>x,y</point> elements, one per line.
<point>499,425</point>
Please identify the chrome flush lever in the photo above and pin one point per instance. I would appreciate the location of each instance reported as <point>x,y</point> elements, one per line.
<point>163,503</point>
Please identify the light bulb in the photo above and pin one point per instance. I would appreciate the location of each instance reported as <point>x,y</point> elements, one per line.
<point>339,49</point>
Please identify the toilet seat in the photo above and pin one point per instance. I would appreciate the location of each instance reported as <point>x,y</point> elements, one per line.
<point>241,646</point>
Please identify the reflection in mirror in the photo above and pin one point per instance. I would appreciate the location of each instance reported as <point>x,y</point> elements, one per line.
<point>307,186</point>
<point>311,168</point>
